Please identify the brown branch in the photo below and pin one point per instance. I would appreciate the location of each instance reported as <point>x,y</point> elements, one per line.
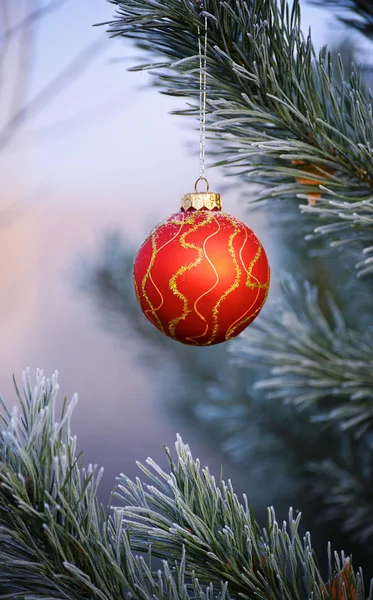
<point>23,68</point>
<point>51,90</point>
<point>32,17</point>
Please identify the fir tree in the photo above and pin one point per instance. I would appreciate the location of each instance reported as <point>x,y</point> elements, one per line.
<point>285,120</point>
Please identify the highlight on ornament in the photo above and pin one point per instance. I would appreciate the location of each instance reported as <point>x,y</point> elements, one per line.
<point>201,276</point>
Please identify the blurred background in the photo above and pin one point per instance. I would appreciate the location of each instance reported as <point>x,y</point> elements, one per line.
<point>91,161</point>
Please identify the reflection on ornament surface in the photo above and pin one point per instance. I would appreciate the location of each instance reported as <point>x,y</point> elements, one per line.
<point>201,277</point>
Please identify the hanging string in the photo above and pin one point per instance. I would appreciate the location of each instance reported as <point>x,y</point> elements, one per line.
<point>202,98</point>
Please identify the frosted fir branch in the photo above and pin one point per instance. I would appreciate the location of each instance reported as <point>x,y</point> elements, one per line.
<point>344,489</point>
<point>269,95</point>
<point>56,540</point>
<point>107,277</point>
<point>220,535</point>
<point>310,359</point>
<point>356,221</point>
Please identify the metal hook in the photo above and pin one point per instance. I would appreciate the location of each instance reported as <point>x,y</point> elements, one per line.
<point>197,182</point>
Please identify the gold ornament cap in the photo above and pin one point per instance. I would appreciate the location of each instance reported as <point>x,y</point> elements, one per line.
<point>201,200</point>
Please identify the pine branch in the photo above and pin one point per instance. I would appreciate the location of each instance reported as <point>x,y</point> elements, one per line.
<point>49,514</point>
<point>107,278</point>
<point>222,539</point>
<point>310,361</point>
<point>56,540</point>
<point>348,223</point>
<point>343,485</point>
<point>282,116</point>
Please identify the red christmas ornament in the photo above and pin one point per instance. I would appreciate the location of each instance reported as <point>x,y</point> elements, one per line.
<point>201,276</point>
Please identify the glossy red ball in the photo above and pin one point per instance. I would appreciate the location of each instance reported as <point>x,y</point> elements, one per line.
<point>201,277</point>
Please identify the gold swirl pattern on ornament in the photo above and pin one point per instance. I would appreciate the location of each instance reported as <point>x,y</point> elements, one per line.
<point>146,277</point>
<point>184,268</point>
<point>236,282</point>
<point>249,271</point>
<point>192,339</point>
<point>153,311</point>
<point>258,286</point>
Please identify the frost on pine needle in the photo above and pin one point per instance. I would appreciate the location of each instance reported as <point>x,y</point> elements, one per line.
<point>57,541</point>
